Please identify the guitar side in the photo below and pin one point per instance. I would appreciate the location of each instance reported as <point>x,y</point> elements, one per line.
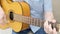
<point>26,12</point>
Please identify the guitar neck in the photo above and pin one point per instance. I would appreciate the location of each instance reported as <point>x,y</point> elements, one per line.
<point>28,20</point>
<point>31,21</point>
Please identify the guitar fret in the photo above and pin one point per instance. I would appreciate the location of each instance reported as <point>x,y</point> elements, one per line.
<point>41,23</point>
<point>26,19</point>
<point>38,22</point>
<point>29,20</point>
<point>34,22</point>
<point>23,19</point>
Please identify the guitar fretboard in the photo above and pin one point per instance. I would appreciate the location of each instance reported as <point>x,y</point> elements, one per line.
<point>29,20</point>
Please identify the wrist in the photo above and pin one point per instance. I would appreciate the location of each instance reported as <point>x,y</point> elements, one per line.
<point>49,16</point>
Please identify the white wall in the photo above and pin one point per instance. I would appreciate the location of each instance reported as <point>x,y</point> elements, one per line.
<point>56,9</point>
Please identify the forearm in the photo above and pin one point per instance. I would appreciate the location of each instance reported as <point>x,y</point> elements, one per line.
<point>48,9</point>
<point>48,15</point>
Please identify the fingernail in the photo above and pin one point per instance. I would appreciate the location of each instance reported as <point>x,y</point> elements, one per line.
<point>54,29</point>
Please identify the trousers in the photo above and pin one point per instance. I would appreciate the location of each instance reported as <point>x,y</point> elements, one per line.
<point>40,31</point>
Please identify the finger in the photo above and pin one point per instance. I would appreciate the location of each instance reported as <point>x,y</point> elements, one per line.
<point>1,13</point>
<point>1,21</point>
<point>4,18</point>
<point>54,31</point>
<point>46,26</point>
<point>53,21</point>
<point>50,28</point>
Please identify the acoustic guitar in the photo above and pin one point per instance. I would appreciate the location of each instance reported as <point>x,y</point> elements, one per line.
<point>21,8</point>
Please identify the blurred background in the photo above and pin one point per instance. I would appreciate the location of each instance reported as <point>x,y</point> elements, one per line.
<point>56,9</point>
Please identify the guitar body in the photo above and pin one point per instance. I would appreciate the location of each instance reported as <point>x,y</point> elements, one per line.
<point>21,8</point>
<point>0,1</point>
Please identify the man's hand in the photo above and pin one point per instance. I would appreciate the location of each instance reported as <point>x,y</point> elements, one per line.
<point>48,29</point>
<point>2,17</point>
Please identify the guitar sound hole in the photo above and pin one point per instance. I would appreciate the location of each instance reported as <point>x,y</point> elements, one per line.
<point>11,15</point>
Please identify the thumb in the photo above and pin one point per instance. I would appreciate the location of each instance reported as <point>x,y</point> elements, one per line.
<point>1,13</point>
<point>53,21</point>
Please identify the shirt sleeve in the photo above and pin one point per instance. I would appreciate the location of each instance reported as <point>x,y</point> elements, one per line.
<point>47,5</point>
